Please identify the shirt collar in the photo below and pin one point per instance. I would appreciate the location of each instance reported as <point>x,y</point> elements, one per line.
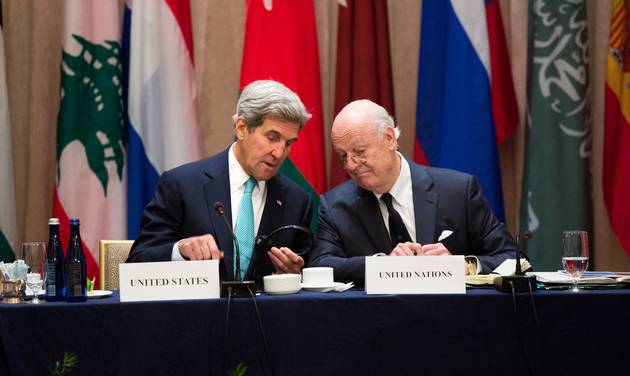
<point>238,176</point>
<point>404,180</point>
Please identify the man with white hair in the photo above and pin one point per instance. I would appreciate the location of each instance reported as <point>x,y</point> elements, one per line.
<point>181,222</point>
<point>398,208</point>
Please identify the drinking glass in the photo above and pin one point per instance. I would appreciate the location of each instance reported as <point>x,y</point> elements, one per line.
<point>575,255</point>
<point>34,282</point>
<point>34,255</point>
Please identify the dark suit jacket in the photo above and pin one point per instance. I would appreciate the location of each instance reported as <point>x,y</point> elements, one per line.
<point>351,225</point>
<point>183,206</point>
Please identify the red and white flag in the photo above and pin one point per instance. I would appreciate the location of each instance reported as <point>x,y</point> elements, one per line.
<point>90,175</point>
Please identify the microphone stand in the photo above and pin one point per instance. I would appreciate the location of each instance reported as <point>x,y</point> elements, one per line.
<point>519,282</point>
<point>239,288</point>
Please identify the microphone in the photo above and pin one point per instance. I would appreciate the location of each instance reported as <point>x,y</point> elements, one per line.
<point>238,287</point>
<point>218,206</point>
<point>519,282</point>
<point>521,235</point>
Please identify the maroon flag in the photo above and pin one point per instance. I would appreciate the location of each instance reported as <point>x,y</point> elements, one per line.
<point>363,62</point>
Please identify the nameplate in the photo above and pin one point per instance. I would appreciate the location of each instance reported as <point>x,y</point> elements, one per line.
<point>173,280</point>
<point>415,275</point>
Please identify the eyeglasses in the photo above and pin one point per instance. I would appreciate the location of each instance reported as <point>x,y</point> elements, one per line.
<point>358,157</point>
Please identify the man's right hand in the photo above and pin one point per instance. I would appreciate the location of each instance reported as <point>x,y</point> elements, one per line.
<point>202,247</point>
<point>407,249</point>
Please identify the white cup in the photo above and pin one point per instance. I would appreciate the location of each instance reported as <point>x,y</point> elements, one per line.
<point>282,283</point>
<point>318,277</point>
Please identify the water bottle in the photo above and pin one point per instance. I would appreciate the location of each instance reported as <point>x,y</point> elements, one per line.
<point>76,273</point>
<point>55,267</point>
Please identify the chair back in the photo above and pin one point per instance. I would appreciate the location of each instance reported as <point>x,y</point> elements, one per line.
<point>112,253</point>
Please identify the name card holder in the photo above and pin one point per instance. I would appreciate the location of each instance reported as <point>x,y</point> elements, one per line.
<point>173,280</point>
<point>415,275</point>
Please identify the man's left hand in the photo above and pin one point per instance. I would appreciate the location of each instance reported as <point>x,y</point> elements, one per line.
<point>285,261</point>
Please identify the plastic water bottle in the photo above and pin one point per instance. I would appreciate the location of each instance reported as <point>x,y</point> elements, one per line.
<point>76,272</point>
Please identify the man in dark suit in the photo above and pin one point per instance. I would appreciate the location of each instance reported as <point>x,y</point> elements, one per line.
<point>397,208</point>
<point>181,222</point>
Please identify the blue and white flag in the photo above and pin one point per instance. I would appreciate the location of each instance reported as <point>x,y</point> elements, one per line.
<point>162,121</point>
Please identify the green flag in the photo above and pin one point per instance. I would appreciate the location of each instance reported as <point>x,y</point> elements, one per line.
<point>556,192</point>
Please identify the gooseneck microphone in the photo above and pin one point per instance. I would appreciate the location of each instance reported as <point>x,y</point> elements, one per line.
<point>519,282</point>
<point>218,206</point>
<point>521,235</point>
<point>237,287</point>
<point>240,288</point>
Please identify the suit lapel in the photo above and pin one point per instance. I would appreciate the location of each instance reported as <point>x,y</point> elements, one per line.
<point>366,208</point>
<point>270,220</point>
<point>217,188</point>
<point>273,207</point>
<point>425,203</point>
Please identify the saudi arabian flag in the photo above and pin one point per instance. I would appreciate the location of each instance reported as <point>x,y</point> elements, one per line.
<point>557,181</point>
<point>8,240</point>
<point>90,150</point>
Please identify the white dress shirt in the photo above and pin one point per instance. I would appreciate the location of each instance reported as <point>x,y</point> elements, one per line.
<point>402,199</point>
<point>238,178</point>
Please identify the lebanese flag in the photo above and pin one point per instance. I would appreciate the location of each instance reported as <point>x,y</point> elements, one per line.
<point>617,125</point>
<point>281,45</point>
<point>90,177</point>
<point>363,62</point>
<point>466,101</point>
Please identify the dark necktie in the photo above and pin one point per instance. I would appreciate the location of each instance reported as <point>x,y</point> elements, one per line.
<point>397,231</point>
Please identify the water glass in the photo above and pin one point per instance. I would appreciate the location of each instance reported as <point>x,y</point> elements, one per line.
<point>34,282</point>
<point>34,255</point>
<point>575,255</point>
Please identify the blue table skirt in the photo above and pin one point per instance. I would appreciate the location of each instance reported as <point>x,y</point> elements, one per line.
<point>313,333</point>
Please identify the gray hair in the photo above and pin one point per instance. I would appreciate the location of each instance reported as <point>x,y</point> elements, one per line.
<point>266,98</point>
<point>383,122</point>
<point>378,116</point>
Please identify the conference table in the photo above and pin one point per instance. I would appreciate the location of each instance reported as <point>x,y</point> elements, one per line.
<point>313,333</point>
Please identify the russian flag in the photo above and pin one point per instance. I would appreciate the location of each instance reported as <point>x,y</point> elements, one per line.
<point>466,103</point>
<point>162,121</point>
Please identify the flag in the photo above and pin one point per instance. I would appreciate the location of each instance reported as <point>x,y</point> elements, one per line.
<point>617,128</point>
<point>281,44</point>
<point>363,62</point>
<point>90,147</point>
<point>556,194</point>
<point>8,235</point>
<point>466,101</point>
<point>162,119</point>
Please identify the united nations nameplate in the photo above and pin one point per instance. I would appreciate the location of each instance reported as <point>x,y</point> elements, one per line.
<point>415,275</point>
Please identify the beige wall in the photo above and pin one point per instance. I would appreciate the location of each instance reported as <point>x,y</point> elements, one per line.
<point>32,33</point>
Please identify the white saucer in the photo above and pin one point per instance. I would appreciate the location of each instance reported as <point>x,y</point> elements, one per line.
<point>292,291</point>
<point>99,294</point>
<point>320,288</point>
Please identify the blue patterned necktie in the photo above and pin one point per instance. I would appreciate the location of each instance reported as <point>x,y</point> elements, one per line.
<point>245,228</point>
